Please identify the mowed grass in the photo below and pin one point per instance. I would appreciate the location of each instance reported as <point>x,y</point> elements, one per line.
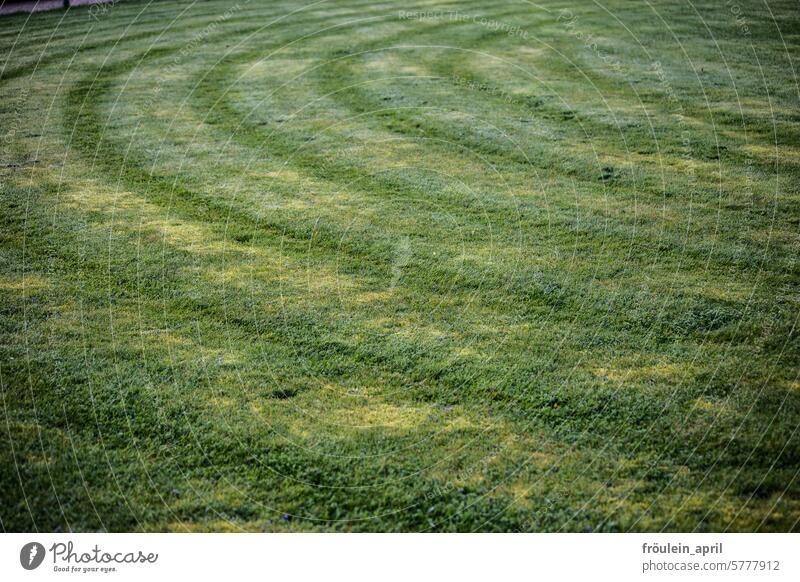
<point>342,266</point>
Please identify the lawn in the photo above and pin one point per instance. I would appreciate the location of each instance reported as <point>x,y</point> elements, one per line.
<point>441,266</point>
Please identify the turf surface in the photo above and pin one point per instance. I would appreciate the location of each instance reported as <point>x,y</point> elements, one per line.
<point>349,265</point>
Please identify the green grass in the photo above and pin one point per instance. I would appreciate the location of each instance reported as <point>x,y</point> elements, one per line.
<point>268,266</point>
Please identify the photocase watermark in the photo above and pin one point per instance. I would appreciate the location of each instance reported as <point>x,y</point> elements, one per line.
<point>31,555</point>
<point>484,88</point>
<point>570,22</point>
<point>455,16</point>
<point>17,106</point>
<point>402,256</point>
<point>95,560</point>
<point>101,8</point>
<point>744,28</point>
<point>736,10</point>
<point>188,49</point>
<point>676,110</point>
<point>13,122</point>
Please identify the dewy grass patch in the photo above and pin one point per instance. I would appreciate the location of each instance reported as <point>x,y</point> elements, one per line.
<point>358,270</point>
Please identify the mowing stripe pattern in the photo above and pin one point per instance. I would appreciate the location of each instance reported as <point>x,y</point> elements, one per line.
<point>340,265</point>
